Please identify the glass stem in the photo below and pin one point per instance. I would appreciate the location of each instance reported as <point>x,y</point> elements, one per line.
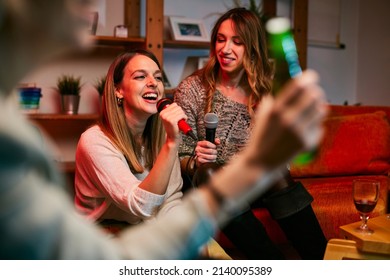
<point>364,218</point>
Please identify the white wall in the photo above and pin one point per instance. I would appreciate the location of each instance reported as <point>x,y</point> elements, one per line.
<point>359,73</point>
<point>373,69</point>
<point>338,67</point>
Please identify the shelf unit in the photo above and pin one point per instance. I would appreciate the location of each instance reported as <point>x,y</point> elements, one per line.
<point>186,45</point>
<point>154,16</point>
<point>116,41</point>
<point>38,117</point>
<point>63,130</point>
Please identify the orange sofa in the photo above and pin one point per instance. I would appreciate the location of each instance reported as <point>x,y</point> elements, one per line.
<point>356,144</point>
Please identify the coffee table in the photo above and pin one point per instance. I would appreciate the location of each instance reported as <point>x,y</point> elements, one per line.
<point>378,242</point>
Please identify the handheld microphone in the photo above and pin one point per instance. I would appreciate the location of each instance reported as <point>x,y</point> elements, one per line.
<point>183,125</point>
<point>211,123</point>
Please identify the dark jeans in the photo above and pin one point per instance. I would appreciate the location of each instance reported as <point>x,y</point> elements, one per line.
<point>248,235</point>
<point>290,207</point>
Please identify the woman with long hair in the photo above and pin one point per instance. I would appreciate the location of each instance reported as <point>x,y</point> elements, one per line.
<point>232,85</point>
<point>127,167</point>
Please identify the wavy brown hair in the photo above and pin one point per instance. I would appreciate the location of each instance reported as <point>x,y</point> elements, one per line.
<point>258,70</point>
<point>113,121</point>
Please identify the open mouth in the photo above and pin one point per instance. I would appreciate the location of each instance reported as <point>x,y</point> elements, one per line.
<point>150,96</point>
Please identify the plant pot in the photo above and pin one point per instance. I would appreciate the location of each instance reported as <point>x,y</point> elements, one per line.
<point>70,104</point>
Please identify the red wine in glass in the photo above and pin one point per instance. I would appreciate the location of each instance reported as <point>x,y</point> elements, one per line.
<point>365,197</point>
<point>365,206</point>
<point>388,205</point>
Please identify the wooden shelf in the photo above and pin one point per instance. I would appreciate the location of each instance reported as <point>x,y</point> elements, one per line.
<point>186,44</point>
<point>88,117</point>
<point>61,132</point>
<point>116,41</point>
<point>140,42</point>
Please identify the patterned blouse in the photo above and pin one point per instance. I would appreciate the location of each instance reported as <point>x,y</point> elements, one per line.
<point>234,121</point>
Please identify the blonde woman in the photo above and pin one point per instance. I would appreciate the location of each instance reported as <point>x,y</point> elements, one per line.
<point>127,167</point>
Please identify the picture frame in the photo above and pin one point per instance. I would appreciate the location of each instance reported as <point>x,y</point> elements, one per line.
<point>93,21</point>
<point>167,84</point>
<point>187,29</point>
<point>202,61</point>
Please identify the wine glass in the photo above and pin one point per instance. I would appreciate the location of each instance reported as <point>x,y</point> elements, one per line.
<point>365,197</point>
<point>388,205</point>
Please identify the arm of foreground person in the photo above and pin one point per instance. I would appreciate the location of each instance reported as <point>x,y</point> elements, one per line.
<point>292,123</point>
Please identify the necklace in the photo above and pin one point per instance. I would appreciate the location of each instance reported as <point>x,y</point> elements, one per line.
<point>234,93</point>
<point>228,86</point>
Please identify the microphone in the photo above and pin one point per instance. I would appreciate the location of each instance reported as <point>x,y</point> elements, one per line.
<point>211,123</point>
<point>183,125</point>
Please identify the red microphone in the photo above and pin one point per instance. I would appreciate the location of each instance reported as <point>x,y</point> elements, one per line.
<point>183,125</point>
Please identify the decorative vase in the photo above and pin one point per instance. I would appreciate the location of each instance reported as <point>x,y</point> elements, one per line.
<point>29,98</point>
<point>70,104</point>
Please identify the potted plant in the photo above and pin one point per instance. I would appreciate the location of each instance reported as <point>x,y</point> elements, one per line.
<point>99,85</point>
<point>252,6</point>
<point>69,88</point>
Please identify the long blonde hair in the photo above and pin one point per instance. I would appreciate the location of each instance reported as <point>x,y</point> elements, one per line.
<point>258,70</point>
<point>113,122</point>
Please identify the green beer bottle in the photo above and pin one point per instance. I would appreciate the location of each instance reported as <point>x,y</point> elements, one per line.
<point>286,62</point>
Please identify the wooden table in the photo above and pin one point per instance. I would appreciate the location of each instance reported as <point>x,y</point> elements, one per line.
<point>378,242</point>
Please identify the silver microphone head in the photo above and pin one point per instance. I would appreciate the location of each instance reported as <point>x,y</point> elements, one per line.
<point>211,120</point>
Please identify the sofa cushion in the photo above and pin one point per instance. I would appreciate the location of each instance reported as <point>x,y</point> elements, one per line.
<point>352,144</point>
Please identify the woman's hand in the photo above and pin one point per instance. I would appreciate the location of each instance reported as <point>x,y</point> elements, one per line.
<point>170,117</point>
<point>206,151</point>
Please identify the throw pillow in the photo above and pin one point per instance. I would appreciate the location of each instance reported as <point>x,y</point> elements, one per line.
<point>352,145</point>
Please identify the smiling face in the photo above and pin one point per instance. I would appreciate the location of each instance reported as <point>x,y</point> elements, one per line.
<point>229,48</point>
<point>141,87</point>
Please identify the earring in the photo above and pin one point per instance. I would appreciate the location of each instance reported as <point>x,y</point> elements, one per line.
<point>119,101</point>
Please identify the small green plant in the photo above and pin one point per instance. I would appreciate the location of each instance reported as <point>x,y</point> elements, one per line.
<point>99,85</point>
<point>252,6</point>
<point>69,85</point>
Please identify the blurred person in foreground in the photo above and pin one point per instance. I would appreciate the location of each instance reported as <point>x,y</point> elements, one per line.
<point>38,220</point>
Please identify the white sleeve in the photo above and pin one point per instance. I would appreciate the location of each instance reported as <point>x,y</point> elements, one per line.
<point>102,174</point>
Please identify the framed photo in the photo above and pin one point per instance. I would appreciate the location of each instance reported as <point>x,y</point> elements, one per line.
<point>93,22</point>
<point>167,84</point>
<point>202,61</point>
<point>186,29</point>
